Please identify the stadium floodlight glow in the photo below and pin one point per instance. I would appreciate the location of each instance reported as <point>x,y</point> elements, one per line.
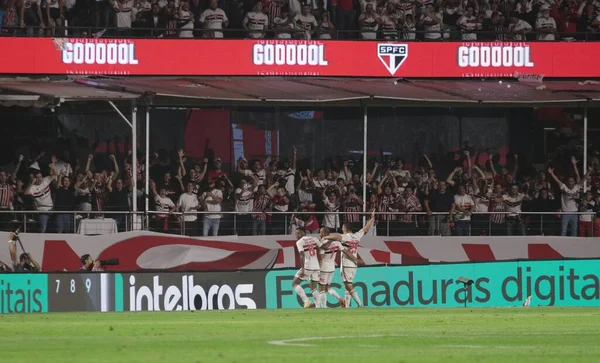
<point>466,282</point>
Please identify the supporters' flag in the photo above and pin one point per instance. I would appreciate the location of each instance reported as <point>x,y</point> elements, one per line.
<point>529,78</point>
<point>59,43</point>
<point>35,166</point>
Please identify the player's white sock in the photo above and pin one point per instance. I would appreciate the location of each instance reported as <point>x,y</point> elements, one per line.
<point>333,293</point>
<point>317,298</point>
<point>347,297</point>
<point>355,297</point>
<point>301,293</point>
<point>323,299</point>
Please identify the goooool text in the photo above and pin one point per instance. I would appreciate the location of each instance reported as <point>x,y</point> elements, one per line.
<point>91,52</point>
<point>187,296</point>
<point>289,54</point>
<point>494,56</point>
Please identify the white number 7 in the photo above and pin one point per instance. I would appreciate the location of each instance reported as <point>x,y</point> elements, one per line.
<point>57,285</point>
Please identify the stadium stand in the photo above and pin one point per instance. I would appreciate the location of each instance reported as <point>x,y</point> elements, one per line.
<point>542,20</point>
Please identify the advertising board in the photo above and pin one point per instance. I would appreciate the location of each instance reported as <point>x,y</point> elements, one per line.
<point>205,57</point>
<point>496,284</point>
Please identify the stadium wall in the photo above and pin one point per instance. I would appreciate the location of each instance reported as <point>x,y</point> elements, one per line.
<point>495,284</point>
<point>143,251</point>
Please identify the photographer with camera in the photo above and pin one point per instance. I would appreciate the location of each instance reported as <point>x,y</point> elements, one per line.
<point>25,263</point>
<point>88,264</point>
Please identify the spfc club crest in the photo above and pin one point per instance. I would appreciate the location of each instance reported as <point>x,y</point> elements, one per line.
<point>392,56</point>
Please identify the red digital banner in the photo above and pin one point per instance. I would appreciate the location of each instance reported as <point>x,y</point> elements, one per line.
<point>296,58</point>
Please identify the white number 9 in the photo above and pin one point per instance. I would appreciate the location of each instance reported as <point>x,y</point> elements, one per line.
<point>72,286</point>
<point>88,284</point>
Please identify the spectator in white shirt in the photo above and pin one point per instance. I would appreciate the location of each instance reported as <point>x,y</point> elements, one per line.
<point>288,173</point>
<point>331,220</point>
<point>39,190</point>
<point>570,195</point>
<point>461,209</point>
<point>365,3</point>
<point>524,7</point>
<point>212,203</point>
<point>585,220</point>
<point>283,25</point>
<point>124,13</point>
<point>518,27</point>
<point>188,203</point>
<point>163,204</point>
<point>469,23</point>
<point>345,173</point>
<point>325,28</point>
<point>256,22</point>
<point>480,222</point>
<point>244,202</point>
<point>64,167</point>
<point>258,172</point>
<point>369,22</point>
<point>405,7</point>
<point>546,25</point>
<point>389,22</point>
<point>409,28</point>
<point>399,170</point>
<point>305,23</point>
<point>431,20</point>
<point>295,7</point>
<point>212,19</point>
<point>320,182</point>
<point>185,21</point>
<point>513,201</point>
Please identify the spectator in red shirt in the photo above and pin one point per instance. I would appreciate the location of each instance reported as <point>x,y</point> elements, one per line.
<point>6,197</point>
<point>261,205</point>
<point>345,18</point>
<point>564,25</point>
<point>217,172</point>
<point>586,25</point>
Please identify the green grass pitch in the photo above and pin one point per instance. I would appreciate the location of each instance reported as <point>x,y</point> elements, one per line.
<point>307,336</point>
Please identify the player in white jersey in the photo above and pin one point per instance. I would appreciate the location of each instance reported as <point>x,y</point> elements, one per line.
<point>328,252</point>
<point>351,242</point>
<point>308,247</point>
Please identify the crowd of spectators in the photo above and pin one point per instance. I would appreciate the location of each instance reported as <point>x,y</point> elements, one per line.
<point>465,192</point>
<point>470,20</point>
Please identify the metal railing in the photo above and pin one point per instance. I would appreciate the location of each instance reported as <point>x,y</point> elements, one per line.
<point>54,221</point>
<point>280,223</point>
<point>354,34</point>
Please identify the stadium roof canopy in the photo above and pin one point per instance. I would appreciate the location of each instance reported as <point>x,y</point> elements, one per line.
<point>282,91</point>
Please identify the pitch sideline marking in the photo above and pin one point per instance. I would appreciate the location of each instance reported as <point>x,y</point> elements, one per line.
<point>294,342</point>
<point>484,347</point>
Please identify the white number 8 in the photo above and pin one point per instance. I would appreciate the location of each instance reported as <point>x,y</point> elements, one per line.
<point>72,286</point>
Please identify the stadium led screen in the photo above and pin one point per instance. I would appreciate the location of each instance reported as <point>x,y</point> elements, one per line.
<point>88,56</point>
<point>495,284</point>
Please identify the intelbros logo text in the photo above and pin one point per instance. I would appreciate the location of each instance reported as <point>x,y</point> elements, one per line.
<point>188,296</point>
